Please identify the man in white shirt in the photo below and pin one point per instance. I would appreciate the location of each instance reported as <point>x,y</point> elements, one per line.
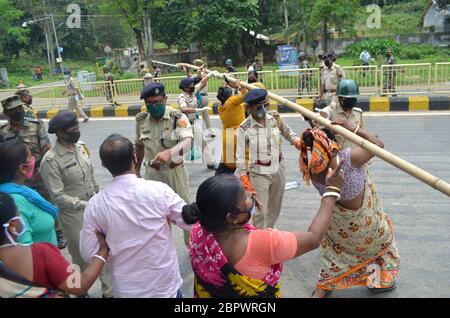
<point>134,214</point>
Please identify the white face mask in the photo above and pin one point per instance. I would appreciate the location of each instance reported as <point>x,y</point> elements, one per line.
<point>8,235</point>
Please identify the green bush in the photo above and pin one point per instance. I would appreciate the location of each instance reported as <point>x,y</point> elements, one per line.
<point>375,47</point>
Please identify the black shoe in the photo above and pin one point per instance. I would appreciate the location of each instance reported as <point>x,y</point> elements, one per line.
<point>62,243</point>
<point>212,167</point>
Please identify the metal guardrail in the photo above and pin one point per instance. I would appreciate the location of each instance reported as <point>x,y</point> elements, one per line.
<point>405,79</point>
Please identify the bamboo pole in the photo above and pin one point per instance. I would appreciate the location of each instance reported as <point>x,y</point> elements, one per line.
<point>381,153</point>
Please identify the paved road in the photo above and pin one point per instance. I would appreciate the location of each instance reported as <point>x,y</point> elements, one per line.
<point>420,214</point>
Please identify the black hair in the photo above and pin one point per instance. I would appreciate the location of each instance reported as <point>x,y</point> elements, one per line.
<point>116,153</point>
<point>216,197</point>
<point>8,210</point>
<point>254,72</point>
<point>308,137</point>
<point>224,93</point>
<point>13,153</point>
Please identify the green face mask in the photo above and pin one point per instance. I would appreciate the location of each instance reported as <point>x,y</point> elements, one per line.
<point>156,110</point>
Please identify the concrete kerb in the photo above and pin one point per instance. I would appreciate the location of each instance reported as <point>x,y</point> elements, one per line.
<point>366,103</point>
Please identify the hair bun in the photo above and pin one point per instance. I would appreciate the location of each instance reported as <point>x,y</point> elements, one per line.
<point>191,213</point>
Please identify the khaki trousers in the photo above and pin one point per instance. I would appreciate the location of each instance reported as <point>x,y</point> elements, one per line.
<point>270,191</point>
<point>73,105</point>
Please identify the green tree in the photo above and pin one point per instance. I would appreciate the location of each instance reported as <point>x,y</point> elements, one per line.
<point>213,25</point>
<point>12,35</point>
<point>339,14</point>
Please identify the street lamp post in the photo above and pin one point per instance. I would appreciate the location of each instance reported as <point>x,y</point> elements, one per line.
<point>49,17</point>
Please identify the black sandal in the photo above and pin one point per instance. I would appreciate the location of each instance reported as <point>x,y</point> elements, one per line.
<point>383,290</point>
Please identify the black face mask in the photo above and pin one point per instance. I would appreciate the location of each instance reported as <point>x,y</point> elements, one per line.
<point>72,138</point>
<point>18,116</point>
<point>252,80</point>
<point>30,100</point>
<point>348,103</point>
<point>327,63</point>
<point>190,89</point>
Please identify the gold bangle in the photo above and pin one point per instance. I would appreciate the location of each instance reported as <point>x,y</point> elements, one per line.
<point>333,188</point>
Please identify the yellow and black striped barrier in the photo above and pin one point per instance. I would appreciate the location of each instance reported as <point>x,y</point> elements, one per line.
<point>366,103</point>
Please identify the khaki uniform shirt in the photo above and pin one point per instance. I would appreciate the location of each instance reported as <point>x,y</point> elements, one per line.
<point>32,134</point>
<point>190,101</point>
<point>69,177</point>
<point>264,144</point>
<point>71,87</point>
<point>332,76</point>
<point>159,135</point>
<point>355,116</point>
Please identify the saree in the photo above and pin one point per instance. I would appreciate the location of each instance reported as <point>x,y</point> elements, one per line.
<point>359,247</point>
<point>215,277</point>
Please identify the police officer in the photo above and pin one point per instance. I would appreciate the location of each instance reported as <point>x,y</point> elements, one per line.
<point>305,76</point>
<point>163,136</point>
<point>69,177</point>
<point>332,74</point>
<point>344,108</point>
<point>162,131</point>
<point>27,100</point>
<point>261,133</point>
<point>188,103</point>
<point>389,74</point>
<point>74,95</point>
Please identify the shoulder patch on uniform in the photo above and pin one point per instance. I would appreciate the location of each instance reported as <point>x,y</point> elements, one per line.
<point>183,123</point>
<point>141,116</point>
<point>245,124</point>
<point>358,109</point>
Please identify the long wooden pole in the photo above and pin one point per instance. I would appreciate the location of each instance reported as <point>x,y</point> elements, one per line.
<point>381,153</point>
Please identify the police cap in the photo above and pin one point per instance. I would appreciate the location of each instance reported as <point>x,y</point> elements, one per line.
<point>11,102</point>
<point>153,89</point>
<point>256,97</point>
<point>186,82</point>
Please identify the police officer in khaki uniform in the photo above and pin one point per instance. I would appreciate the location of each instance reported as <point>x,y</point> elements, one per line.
<point>188,104</point>
<point>261,133</point>
<point>73,92</point>
<point>344,108</point>
<point>27,100</point>
<point>69,176</point>
<point>331,75</point>
<point>161,133</point>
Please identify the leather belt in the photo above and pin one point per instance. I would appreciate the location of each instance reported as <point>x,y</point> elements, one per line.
<point>330,91</point>
<point>267,164</point>
<point>172,165</point>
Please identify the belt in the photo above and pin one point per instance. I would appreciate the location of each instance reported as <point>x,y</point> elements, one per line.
<point>330,91</point>
<point>204,94</point>
<point>172,165</point>
<point>267,164</point>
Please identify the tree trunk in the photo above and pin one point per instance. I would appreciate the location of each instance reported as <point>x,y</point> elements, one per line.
<point>325,36</point>
<point>148,36</point>
<point>151,44</point>
<point>140,43</point>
